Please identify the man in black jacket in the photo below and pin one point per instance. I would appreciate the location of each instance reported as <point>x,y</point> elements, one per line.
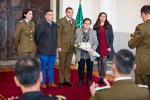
<point>28,77</point>
<point>45,37</point>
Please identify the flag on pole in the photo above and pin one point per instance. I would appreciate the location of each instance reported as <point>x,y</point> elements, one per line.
<point>79,17</point>
<point>79,23</point>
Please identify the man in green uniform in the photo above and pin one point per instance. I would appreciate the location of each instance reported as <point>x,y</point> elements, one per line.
<point>65,45</point>
<point>123,87</point>
<point>141,41</point>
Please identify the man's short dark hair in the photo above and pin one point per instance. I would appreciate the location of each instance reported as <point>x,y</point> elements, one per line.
<point>27,71</point>
<point>69,8</point>
<point>124,61</point>
<point>46,11</point>
<point>145,9</point>
<point>87,19</point>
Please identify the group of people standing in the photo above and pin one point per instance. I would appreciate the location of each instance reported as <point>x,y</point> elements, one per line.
<point>49,37</point>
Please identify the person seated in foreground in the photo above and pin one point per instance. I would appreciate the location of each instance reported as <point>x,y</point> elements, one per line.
<point>123,88</point>
<point>28,77</point>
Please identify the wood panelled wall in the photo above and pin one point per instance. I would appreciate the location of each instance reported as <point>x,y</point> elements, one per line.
<point>10,14</point>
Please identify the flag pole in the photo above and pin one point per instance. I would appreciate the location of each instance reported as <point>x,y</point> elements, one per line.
<point>75,62</point>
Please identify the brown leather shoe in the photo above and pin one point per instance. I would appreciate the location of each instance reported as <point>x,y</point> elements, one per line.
<point>43,86</point>
<point>61,84</point>
<point>52,85</point>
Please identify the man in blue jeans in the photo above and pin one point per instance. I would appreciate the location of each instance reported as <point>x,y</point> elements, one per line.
<point>45,37</point>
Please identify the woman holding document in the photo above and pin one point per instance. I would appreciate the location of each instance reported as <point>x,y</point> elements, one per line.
<point>86,36</point>
<point>105,39</point>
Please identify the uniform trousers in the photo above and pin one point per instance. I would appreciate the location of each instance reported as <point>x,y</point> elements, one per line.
<point>65,59</point>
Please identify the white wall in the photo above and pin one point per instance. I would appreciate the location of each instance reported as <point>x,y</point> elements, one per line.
<point>88,8</point>
<point>53,7</point>
<point>126,14</point>
<point>125,17</point>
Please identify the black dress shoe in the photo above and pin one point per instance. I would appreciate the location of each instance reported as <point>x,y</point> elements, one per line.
<point>88,82</point>
<point>68,84</point>
<point>80,83</point>
<point>101,81</point>
<point>61,84</point>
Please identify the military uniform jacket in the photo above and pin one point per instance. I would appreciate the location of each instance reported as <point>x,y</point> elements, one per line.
<point>122,90</point>
<point>65,35</point>
<point>24,37</point>
<point>141,41</point>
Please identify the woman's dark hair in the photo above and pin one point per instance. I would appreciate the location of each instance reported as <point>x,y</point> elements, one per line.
<point>87,19</point>
<point>106,21</point>
<point>25,12</point>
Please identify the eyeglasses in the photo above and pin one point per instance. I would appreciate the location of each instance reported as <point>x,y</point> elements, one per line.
<point>87,23</point>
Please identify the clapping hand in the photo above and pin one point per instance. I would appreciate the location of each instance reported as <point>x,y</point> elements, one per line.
<point>92,88</point>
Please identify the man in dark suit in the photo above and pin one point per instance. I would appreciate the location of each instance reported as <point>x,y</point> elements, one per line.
<point>123,88</point>
<point>140,40</point>
<point>65,45</point>
<point>45,37</point>
<point>28,77</point>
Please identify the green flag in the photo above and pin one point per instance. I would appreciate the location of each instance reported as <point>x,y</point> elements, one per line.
<point>79,17</point>
<point>79,20</point>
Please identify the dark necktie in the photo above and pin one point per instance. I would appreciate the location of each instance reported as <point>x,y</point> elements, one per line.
<point>70,22</point>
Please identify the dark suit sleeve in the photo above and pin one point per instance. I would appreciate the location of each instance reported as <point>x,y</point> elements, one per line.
<point>38,32</point>
<point>111,40</point>
<point>136,38</point>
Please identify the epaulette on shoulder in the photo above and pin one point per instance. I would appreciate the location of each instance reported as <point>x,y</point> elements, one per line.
<point>142,86</point>
<point>140,24</point>
<point>63,18</point>
<point>21,21</point>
